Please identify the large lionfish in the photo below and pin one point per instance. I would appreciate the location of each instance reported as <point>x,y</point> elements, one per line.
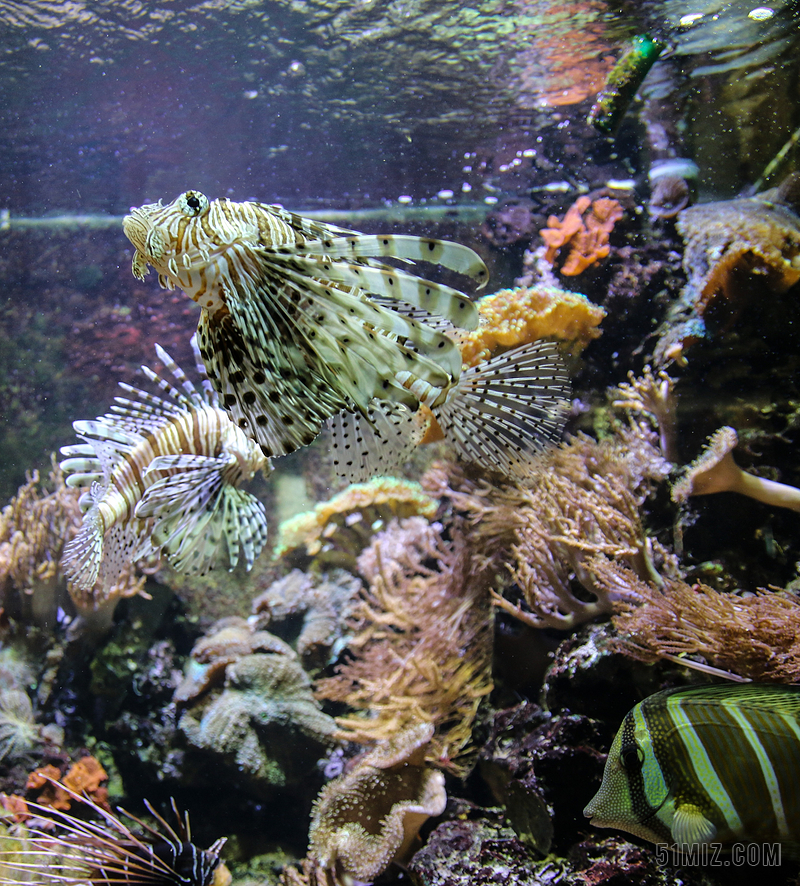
<point>164,477</point>
<point>301,322</point>
<point>108,853</point>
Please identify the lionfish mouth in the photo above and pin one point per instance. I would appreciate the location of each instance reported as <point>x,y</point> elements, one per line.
<point>108,852</point>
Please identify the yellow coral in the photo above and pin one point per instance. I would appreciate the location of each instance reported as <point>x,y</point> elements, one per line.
<point>354,514</point>
<point>513,317</point>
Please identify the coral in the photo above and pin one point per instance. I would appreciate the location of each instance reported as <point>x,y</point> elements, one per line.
<point>584,231</point>
<point>96,606</point>
<point>736,251</point>
<point>324,603</point>
<point>19,733</point>
<point>509,222</point>
<point>584,502</point>
<point>34,527</point>
<point>254,721</point>
<point>83,777</point>
<point>754,636</point>
<point>513,317</point>
<point>336,531</point>
<point>225,643</point>
<point>654,396</point>
<point>369,817</point>
<point>714,470</point>
<point>421,647</point>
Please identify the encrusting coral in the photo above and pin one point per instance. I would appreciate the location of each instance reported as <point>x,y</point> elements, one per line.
<point>714,470</point>
<point>325,604</point>
<point>753,636</point>
<point>369,817</point>
<point>421,641</point>
<point>584,232</point>
<point>337,530</point>
<point>512,317</point>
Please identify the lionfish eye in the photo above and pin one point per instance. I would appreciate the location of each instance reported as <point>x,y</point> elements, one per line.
<point>193,203</point>
<point>631,757</point>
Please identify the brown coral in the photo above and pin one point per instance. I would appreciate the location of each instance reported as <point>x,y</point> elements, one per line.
<point>421,650</point>
<point>336,531</point>
<point>34,527</point>
<point>754,636</point>
<point>584,230</point>
<point>513,317</point>
<point>368,818</point>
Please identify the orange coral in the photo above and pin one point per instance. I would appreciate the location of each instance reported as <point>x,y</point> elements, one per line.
<point>84,776</point>
<point>585,229</point>
<point>16,806</point>
<point>513,317</point>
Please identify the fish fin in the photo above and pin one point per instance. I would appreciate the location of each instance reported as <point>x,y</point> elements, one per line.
<point>394,283</point>
<point>375,444</point>
<point>83,468</point>
<point>197,514</point>
<point>506,410</point>
<point>414,312</point>
<point>82,555</point>
<point>438,252</point>
<point>689,825</point>
<point>110,442</point>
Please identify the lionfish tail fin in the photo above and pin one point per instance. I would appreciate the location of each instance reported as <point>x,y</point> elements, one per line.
<point>508,409</point>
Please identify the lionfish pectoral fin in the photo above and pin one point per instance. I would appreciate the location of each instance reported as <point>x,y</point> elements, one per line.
<point>375,443</point>
<point>198,515</point>
<point>83,555</point>
<point>139,266</point>
<point>504,411</point>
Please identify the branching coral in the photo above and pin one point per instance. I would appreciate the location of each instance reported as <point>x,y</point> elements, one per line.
<point>336,531</point>
<point>513,317</point>
<point>755,636</point>
<point>584,230</point>
<point>253,723</point>
<point>34,527</point>
<point>584,502</point>
<point>652,395</point>
<point>422,640</point>
<point>369,817</point>
<point>714,470</point>
<point>324,603</point>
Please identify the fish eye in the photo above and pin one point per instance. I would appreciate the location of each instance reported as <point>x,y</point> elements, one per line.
<point>631,757</point>
<point>193,203</point>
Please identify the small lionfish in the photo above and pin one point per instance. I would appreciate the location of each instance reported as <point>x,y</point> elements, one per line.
<point>299,324</point>
<point>164,477</point>
<point>109,853</point>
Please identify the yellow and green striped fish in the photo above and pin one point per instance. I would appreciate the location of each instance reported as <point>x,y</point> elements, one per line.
<point>706,764</point>
<point>164,477</point>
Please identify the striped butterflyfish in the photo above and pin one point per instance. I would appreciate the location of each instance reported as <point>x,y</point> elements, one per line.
<point>706,764</point>
<point>163,475</point>
<point>57,847</point>
<point>304,322</point>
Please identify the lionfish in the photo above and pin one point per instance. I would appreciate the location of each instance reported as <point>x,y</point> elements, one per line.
<point>164,477</point>
<point>108,853</point>
<point>302,321</point>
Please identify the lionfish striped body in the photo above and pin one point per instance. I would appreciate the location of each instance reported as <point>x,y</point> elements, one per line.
<point>709,763</point>
<point>301,323</point>
<point>164,477</point>
<point>109,853</point>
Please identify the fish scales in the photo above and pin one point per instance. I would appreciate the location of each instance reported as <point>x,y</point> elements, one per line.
<point>163,476</point>
<point>289,333</point>
<point>710,763</point>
